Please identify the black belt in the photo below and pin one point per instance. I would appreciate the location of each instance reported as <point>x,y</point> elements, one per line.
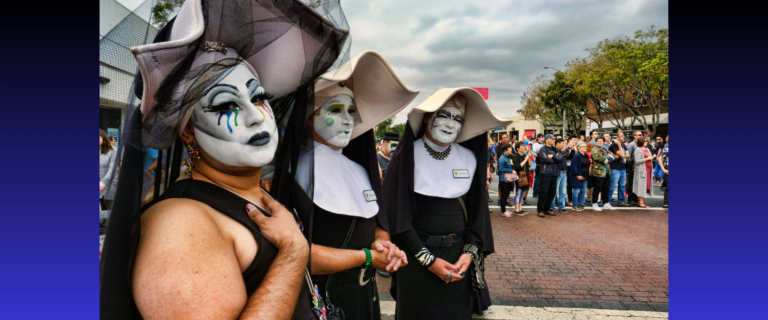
<point>347,276</point>
<point>439,241</point>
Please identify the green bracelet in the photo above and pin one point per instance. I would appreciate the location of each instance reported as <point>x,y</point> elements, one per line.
<point>368,259</point>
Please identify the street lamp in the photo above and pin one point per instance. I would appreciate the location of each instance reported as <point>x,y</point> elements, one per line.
<point>548,67</point>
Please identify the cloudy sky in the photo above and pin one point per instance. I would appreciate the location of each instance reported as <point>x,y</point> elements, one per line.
<point>501,45</point>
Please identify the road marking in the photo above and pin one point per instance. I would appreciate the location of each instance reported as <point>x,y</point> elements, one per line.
<point>588,208</point>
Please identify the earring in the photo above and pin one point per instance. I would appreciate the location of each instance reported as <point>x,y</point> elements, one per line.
<point>188,163</point>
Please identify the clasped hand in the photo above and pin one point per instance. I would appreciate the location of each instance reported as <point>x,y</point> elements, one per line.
<point>442,269</point>
<point>387,256</point>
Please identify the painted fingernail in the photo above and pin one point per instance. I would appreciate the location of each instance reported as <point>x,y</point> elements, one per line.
<point>249,207</point>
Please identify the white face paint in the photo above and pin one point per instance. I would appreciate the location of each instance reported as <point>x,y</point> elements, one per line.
<point>392,146</point>
<point>335,121</point>
<point>445,124</point>
<point>234,123</point>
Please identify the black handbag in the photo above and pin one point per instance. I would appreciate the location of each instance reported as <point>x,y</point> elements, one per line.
<point>333,312</point>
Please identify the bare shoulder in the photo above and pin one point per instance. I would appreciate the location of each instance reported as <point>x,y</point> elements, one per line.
<point>184,267</point>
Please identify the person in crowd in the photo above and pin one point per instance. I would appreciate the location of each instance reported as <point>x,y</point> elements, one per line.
<point>578,172</point>
<point>488,184</point>
<point>548,161</point>
<point>658,173</point>
<point>505,166</point>
<point>388,145</point>
<point>581,138</point>
<point>618,171</point>
<point>562,178</point>
<point>558,136</point>
<point>112,142</point>
<point>663,162</point>
<point>492,149</point>
<point>107,166</point>
<point>588,200</point>
<point>606,144</point>
<point>215,245</point>
<point>593,137</point>
<point>535,151</point>
<point>631,147</point>
<point>436,206</point>
<point>570,152</point>
<point>504,139</point>
<point>521,162</point>
<point>606,140</point>
<point>599,175</point>
<point>643,171</point>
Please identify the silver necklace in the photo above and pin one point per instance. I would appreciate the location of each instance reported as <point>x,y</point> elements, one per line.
<point>439,155</point>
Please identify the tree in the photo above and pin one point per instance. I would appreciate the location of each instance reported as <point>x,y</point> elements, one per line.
<point>533,104</point>
<point>383,127</point>
<point>561,98</point>
<point>163,10</point>
<point>636,73</point>
<point>399,128</point>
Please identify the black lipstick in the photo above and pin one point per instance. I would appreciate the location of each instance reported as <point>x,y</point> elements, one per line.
<point>259,139</point>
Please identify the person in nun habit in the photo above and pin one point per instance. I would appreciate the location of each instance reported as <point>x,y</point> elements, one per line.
<point>348,227</point>
<point>437,207</point>
<point>214,245</point>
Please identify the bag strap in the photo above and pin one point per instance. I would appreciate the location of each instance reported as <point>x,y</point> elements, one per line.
<point>328,303</point>
<point>463,207</point>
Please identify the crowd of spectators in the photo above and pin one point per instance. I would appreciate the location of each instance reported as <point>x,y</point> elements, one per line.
<point>581,172</point>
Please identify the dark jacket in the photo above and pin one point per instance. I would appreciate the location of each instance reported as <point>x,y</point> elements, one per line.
<point>548,165</point>
<point>577,169</point>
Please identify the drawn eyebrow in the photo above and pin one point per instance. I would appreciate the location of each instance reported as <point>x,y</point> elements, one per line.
<point>220,86</point>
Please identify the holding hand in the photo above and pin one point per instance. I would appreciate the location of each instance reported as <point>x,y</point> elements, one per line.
<point>550,156</point>
<point>395,257</point>
<point>101,186</point>
<point>442,269</point>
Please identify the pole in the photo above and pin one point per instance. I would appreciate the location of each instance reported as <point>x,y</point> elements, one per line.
<point>564,124</point>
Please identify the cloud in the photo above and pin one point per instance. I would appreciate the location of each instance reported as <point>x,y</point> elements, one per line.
<point>502,45</point>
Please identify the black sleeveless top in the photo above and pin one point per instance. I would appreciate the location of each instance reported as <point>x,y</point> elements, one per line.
<point>233,206</point>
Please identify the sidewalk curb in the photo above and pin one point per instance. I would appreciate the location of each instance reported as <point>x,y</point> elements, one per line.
<point>546,313</point>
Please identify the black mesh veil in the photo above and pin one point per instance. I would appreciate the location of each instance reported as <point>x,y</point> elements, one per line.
<point>165,72</point>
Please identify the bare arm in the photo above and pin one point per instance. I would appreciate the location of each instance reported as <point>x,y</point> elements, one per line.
<point>185,268</point>
<point>280,289</point>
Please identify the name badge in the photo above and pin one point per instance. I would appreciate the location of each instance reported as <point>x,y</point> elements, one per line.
<point>369,195</point>
<point>460,174</point>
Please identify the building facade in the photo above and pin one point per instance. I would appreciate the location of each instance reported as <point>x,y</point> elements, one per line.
<point>119,30</point>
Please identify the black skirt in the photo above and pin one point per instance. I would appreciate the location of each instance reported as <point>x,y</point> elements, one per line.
<point>420,293</point>
<point>330,230</point>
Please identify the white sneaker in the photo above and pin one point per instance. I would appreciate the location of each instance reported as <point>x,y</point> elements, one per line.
<point>596,207</point>
<point>608,206</point>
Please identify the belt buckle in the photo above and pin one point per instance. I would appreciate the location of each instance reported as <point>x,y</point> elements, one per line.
<point>454,238</point>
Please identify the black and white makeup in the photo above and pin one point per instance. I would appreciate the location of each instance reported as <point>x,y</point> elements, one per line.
<point>335,119</point>
<point>234,122</point>
<point>445,124</point>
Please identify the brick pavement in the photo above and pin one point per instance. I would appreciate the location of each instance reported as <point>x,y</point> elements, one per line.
<point>603,260</point>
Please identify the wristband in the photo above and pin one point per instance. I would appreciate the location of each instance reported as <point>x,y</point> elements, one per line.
<point>368,259</point>
<point>425,257</point>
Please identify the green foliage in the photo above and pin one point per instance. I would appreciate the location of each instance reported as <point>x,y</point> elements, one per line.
<point>622,77</point>
<point>162,11</point>
<point>399,128</point>
<point>383,127</point>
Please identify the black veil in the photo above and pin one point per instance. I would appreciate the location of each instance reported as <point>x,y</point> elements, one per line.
<point>399,191</point>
